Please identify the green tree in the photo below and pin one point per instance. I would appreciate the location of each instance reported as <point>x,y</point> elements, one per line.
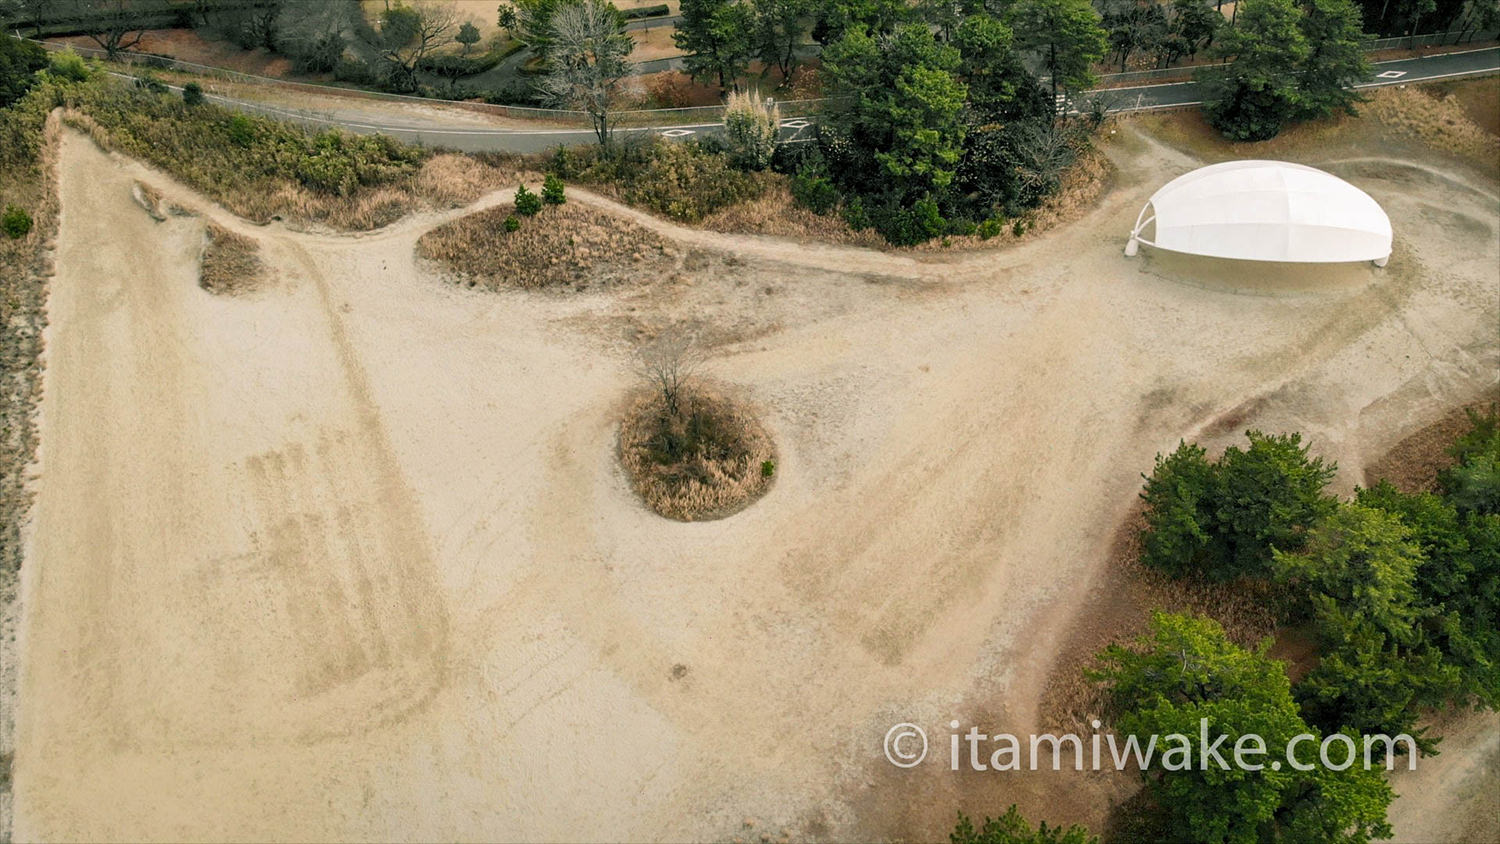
<point>1473,484</point>
<point>778,27</point>
<point>1223,520</point>
<point>1179,496</point>
<point>530,22</point>
<point>1196,23</point>
<point>1267,496</point>
<point>1355,579</point>
<point>900,102</point>
<point>1457,585</point>
<point>1011,828</point>
<point>832,19</point>
<point>1185,671</point>
<point>1068,36</point>
<point>468,36</point>
<point>717,37</point>
<point>1335,58</point>
<point>1252,97</point>
<point>19,62</point>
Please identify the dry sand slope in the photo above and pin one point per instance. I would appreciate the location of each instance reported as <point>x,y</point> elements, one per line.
<point>351,558</point>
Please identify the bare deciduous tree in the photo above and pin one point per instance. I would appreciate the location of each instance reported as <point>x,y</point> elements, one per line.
<point>409,33</point>
<point>669,363</point>
<point>111,24</point>
<point>588,65</point>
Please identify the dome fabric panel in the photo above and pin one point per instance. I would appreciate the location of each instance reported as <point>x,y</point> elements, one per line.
<point>1266,211</point>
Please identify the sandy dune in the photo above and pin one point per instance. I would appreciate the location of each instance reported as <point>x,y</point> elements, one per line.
<point>351,557</point>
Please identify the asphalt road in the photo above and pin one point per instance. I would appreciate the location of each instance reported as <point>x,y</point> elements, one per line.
<point>1141,98</point>
<point>1398,72</point>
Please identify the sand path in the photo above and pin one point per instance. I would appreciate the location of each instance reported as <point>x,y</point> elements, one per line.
<point>351,557</point>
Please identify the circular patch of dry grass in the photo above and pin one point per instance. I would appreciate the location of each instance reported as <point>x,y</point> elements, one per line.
<point>708,460</point>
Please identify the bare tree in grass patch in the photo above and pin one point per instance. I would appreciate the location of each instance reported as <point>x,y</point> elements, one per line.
<point>588,62</point>
<point>668,363</point>
<point>691,454</point>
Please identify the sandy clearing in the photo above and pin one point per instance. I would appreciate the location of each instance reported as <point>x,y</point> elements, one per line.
<point>351,558</point>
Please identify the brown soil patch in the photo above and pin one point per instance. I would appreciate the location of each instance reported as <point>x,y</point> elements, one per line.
<point>1412,464</point>
<point>570,245</point>
<point>231,262</point>
<point>1120,610</point>
<point>731,466</point>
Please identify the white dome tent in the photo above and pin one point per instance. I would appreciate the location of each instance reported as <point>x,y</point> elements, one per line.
<point>1265,211</point>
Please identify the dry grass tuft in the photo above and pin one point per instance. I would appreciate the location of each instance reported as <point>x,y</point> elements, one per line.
<point>722,472</point>
<point>231,263</point>
<point>568,245</point>
<point>452,180</point>
<point>775,213</point>
<point>1438,120</point>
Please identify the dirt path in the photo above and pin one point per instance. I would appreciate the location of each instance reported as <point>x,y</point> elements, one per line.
<point>351,558</point>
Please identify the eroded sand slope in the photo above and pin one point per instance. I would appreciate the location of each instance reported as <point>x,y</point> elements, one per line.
<point>351,558</point>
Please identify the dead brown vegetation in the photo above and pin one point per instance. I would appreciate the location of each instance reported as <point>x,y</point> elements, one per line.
<point>1433,116</point>
<point>231,262</point>
<point>1120,610</point>
<point>707,460</point>
<point>568,245</point>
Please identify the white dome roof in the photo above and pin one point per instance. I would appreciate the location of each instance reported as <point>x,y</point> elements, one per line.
<point>1267,211</point>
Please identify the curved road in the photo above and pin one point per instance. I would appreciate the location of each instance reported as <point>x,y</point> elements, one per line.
<point>467,138</point>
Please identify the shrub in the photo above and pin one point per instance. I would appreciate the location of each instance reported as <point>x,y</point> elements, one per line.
<point>672,89</point>
<point>527,203</point>
<point>240,131</point>
<point>19,62</point>
<point>354,72</point>
<point>856,216</point>
<point>684,182</point>
<point>16,223</point>
<point>990,228</point>
<point>1011,828</point>
<point>645,12</point>
<point>552,190</point>
<point>752,129</point>
<point>149,82</point>
<point>813,191</point>
<point>450,66</point>
<point>767,468</point>
<point>511,223</point>
<point>69,66</point>
<point>910,226</point>
<point>192,94</point>
<point>1019,228</point>
<point>704,459</point>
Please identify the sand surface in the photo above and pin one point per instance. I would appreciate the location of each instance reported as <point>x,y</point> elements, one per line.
<point>351,557</point>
